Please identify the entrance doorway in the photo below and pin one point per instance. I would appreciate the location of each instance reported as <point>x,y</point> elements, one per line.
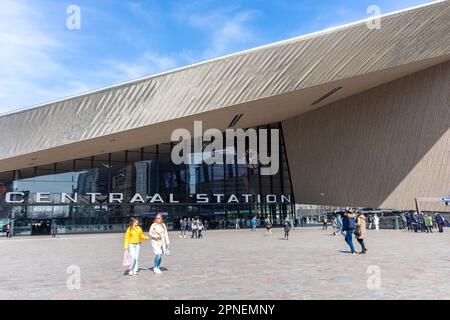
<point>40,227</point>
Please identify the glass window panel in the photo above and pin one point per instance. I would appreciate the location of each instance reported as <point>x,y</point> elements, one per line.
<point>118,157</point>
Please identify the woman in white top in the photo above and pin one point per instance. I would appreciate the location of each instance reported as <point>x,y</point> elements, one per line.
<point>376,222</point>
<point>160,241</point>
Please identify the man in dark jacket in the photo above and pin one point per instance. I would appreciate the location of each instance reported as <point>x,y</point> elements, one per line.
<point>54,229</point>
<point>440,222</point>
<point>415,222</point>
<point>409,221</point>
<point>348,225</point>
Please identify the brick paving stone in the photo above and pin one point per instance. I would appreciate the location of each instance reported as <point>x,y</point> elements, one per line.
<point>230,264</point>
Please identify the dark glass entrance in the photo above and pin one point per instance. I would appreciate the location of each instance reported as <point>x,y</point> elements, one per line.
<point>40,227</point>
<point>147,171</point>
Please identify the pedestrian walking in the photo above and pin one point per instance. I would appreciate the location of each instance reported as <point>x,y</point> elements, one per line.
<point>361,231</point>
<point>194,227</point>
<point>409,221</point>
<point>54,229</point>
<point>200,228</point>
<point>339,224</point>
<point>324,223</point>
<point>422,222</point>
<point>348,225</point>
<point>370,221</point>
<point>189,224</point>
<point>415,221</point>
<point>254,223</point>
<point>428,222</point>
<point>439,222</point>
<point>132,243</point>
<point>8,231</point>
<point>183,226</point>
<point>404,220</point>
<point>268,224</point>
<point>376,222</point>
<point>334,225</point>
<point>238,223</point>
<point>287,229</point>
<point>160,241</point>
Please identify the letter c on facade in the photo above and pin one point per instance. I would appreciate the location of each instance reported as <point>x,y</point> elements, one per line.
<point>10,194</point>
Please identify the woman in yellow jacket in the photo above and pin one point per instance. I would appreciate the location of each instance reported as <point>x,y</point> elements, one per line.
<point>133,238</point>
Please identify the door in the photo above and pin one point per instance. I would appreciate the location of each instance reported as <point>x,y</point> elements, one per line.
<point>40,227</point>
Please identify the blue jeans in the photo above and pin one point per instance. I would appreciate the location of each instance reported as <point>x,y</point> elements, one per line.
<point>253,227</point>
<point>157,261</point>
<point>349,239</point>
<point>133,249</point>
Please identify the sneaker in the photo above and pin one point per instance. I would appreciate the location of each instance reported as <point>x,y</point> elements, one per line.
<point>157,270</point>
<point>130,273</point>
<point>181,236</point>
<point>353,253</point>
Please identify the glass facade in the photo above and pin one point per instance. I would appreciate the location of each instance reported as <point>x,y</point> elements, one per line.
<point>145,171</point>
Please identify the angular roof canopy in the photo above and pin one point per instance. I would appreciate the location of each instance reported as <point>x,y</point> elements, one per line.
<point>266,84</point>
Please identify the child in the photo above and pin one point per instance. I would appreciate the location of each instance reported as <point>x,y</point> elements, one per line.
<point>287,228</point>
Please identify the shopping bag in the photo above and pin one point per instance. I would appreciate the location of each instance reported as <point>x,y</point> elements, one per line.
<point>126,262</point>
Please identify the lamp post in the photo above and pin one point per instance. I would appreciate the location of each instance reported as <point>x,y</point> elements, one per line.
<point>323,197</point>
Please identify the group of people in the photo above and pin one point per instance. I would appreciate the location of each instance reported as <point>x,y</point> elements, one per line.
<point>413,221</point>
<point>134,236</point>
<point>287,227</point>
<point>354,224</point>
<point>196,226</point>
<point>373,222</point>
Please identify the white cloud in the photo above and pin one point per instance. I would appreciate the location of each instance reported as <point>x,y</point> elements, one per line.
<point>25,55</point>
<point>148,63</point>
<point>34,52</point>
<point>231,34</point>
<point>228,29</point>
<point>33,57</point>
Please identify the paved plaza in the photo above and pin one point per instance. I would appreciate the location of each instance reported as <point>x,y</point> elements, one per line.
<point>230,264</point>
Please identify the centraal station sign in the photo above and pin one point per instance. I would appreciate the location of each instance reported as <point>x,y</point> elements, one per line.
<point>119,198</point>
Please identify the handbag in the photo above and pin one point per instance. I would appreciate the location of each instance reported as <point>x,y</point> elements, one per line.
<point>358,231</point>
<point>126,262</point>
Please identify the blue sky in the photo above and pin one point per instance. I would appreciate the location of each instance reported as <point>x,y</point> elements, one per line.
<point>119,40</point>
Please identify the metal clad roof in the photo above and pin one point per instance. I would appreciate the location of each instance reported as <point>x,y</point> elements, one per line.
<point>405,37</point>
